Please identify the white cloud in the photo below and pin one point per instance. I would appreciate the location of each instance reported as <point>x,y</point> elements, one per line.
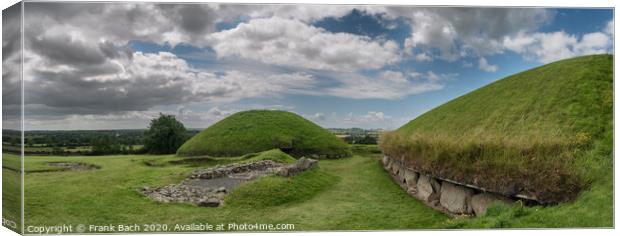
<point>319,116</point>
<point>203,119</point>
<point>609,28</point>
<point>369,117</point>
<point>485,66</point>
<point>430,30</point>
<point>387,85</point>
<point>288,42</point>
<point>553,46</point>
<point>423,57</point>
<point>462,32</point>
<point>144,80</point>
<point>306,13</point>
<point>431,76</point>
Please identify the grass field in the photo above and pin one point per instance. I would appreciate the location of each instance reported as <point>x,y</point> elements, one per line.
<point>11,192</point>
<point>344,194</point>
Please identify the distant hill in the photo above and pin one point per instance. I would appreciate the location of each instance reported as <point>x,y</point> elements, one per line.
<point>526,133</point>
<point>261,130</point>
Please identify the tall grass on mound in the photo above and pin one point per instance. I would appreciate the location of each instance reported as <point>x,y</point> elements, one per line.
<point>260,130</point>
<point>526,133</point>
<point>540,168</point>
<point>593,207</point>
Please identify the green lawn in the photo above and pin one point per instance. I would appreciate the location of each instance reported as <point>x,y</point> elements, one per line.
<point>345,194</point>
<point>11,195</point>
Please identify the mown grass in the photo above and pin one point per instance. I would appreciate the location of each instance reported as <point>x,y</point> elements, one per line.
<point>13,162</point>
<point>343,194</point>
<point>261,130</point>
<point>529,133</point>
<point>276,190</point>
<point>11,190</point>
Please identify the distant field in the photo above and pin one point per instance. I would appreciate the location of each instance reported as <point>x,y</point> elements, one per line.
<point>45,150</point>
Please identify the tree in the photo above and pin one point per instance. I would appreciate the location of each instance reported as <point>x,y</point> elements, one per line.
<point>105,145</point>
<point>165,135</point>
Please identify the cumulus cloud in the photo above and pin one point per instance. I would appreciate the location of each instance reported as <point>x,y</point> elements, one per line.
<point>290,42</point>
<point>11,67</point>
<point>459,32</point>
<point>303,12</point>
<point>368,118</point>
<point>145,80</point>
<point>319,116</point>
<point>548,47</point>
<point>453,33</point>
<point>159,23</point>
<point>485,66</point>
<point>387,84</point>
<point>423,57</point>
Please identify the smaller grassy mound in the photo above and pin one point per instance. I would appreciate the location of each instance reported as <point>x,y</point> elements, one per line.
<point>275,155</point>
<point>260,130</point>
<point>275,190</point>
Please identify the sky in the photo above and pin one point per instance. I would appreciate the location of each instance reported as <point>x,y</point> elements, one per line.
<point>118,65</point>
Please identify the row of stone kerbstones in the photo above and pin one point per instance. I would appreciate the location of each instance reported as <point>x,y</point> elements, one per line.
<point>453,198</point>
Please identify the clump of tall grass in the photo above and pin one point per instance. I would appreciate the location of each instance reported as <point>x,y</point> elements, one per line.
<point>540,166</point>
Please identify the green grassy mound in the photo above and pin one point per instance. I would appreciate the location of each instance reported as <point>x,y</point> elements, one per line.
<point>261,130</point>
<point>276,190</point>
<point>528,133</point>
<point>274,154</point>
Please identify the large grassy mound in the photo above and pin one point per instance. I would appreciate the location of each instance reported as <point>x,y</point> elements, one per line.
<point>260,130</point>
<point>530,133</point>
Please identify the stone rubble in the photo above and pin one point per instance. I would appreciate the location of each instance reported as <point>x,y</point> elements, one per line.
<point>206,195</point>
<point>73,165</point>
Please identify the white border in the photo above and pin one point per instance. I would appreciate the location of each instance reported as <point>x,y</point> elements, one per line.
<point>527,3</point>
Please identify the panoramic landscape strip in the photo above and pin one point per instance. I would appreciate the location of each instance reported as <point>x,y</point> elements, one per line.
<point>127,117</point>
